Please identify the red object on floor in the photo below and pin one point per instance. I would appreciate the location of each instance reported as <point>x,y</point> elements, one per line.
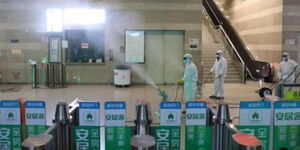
<point>246,139</point>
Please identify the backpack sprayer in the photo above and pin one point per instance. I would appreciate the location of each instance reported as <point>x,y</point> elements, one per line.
<point>174,91</point>
<point>266,91</point>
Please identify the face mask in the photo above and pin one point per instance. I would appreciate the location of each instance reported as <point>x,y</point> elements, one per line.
<point>186,60</point>
<point>284,58</point>
<point>217,56</point>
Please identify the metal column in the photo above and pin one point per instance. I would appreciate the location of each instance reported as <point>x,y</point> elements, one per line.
<point>63,122</point>
<point>34,75</point>
<point>142,139</point>
<point>221,118</point>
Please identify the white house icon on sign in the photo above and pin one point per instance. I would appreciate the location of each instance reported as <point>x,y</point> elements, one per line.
<point>255,116</point>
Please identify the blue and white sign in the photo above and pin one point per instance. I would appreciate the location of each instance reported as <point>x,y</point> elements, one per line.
<point>115,114</point>
<point>287,113</point>
<point>10,112</point>
<point>170,113</point>
<point>196,113</point>
<point>89,113</point>
<point>255,113</point>
<point>35,113</point>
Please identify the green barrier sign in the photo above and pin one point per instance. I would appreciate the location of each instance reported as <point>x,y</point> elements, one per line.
<point>286,137</point>
<point>10,128</point>
<point>170,113</point>
<point>197,134</point>
<point>198,137</point>
<point>35,129</point>
<point>87,135</point>
<point>261,132</point>
<point>287,125</point>
<point>292,95</point>
<point>115,113</point>
<point>10,137</point>
<point>118,138</point>
<point>87,138</point>
<point>117,135</point>
<point>89,113</point>
<point>167,137</point>
<point>35,114</point>
<point>10,112</point>
<point>256,120</point>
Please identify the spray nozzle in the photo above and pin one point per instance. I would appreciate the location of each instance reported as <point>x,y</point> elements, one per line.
<point>163,94</point>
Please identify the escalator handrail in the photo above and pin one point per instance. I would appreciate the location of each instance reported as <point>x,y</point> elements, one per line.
<point>233,30</point>
<point>253,67</point>
<point>236,52</point>
<point>220,22</point>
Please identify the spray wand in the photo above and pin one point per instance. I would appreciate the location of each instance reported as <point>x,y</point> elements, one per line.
<point>163,94</point>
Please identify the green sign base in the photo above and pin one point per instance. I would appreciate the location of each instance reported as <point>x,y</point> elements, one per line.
<point>10,137</point>
<point>261,132</point>
<point>35,129</point>
<point>118,138</point>
<point>198,137</point>
<point>86,137</point>
<point>167,137</point>
<point>286,137</point>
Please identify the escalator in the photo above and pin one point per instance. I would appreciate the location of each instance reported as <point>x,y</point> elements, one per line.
<point>256,69</point>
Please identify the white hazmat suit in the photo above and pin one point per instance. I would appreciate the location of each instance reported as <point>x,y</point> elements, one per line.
<point>220,71</point>
<point>286,67</point>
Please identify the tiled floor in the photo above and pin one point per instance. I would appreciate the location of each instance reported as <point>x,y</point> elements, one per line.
<point>234,93</point>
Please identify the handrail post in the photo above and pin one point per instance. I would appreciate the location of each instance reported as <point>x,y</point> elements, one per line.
<point>142,139</point>
<point>221,118</point>
<point>63,132</point>
<point>143,120</point>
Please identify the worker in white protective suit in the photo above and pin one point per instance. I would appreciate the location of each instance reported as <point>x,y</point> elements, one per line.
<point>220,71</point>
<point>286,67</point>
<point>190,78</point>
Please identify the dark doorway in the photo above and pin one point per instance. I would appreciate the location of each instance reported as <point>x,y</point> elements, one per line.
<point>85,46</point>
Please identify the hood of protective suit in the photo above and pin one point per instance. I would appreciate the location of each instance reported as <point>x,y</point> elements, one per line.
<point>285,56</point>
<point>187,59</point>
<point>188,56</point>
<point>219,54</point>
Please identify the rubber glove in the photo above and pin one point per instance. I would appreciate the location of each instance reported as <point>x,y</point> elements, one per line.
<point>180,82</point>
<point>218,75</point>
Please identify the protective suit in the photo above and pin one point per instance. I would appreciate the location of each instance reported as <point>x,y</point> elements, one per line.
<point>286,67</point>
<point>220,71</point>
<point>190,78</point>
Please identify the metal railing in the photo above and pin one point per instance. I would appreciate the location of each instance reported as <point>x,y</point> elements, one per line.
<point>256,69</point>
<point>229,51</point>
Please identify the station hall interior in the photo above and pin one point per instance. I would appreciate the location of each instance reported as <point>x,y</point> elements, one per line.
<point>219,53</point>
